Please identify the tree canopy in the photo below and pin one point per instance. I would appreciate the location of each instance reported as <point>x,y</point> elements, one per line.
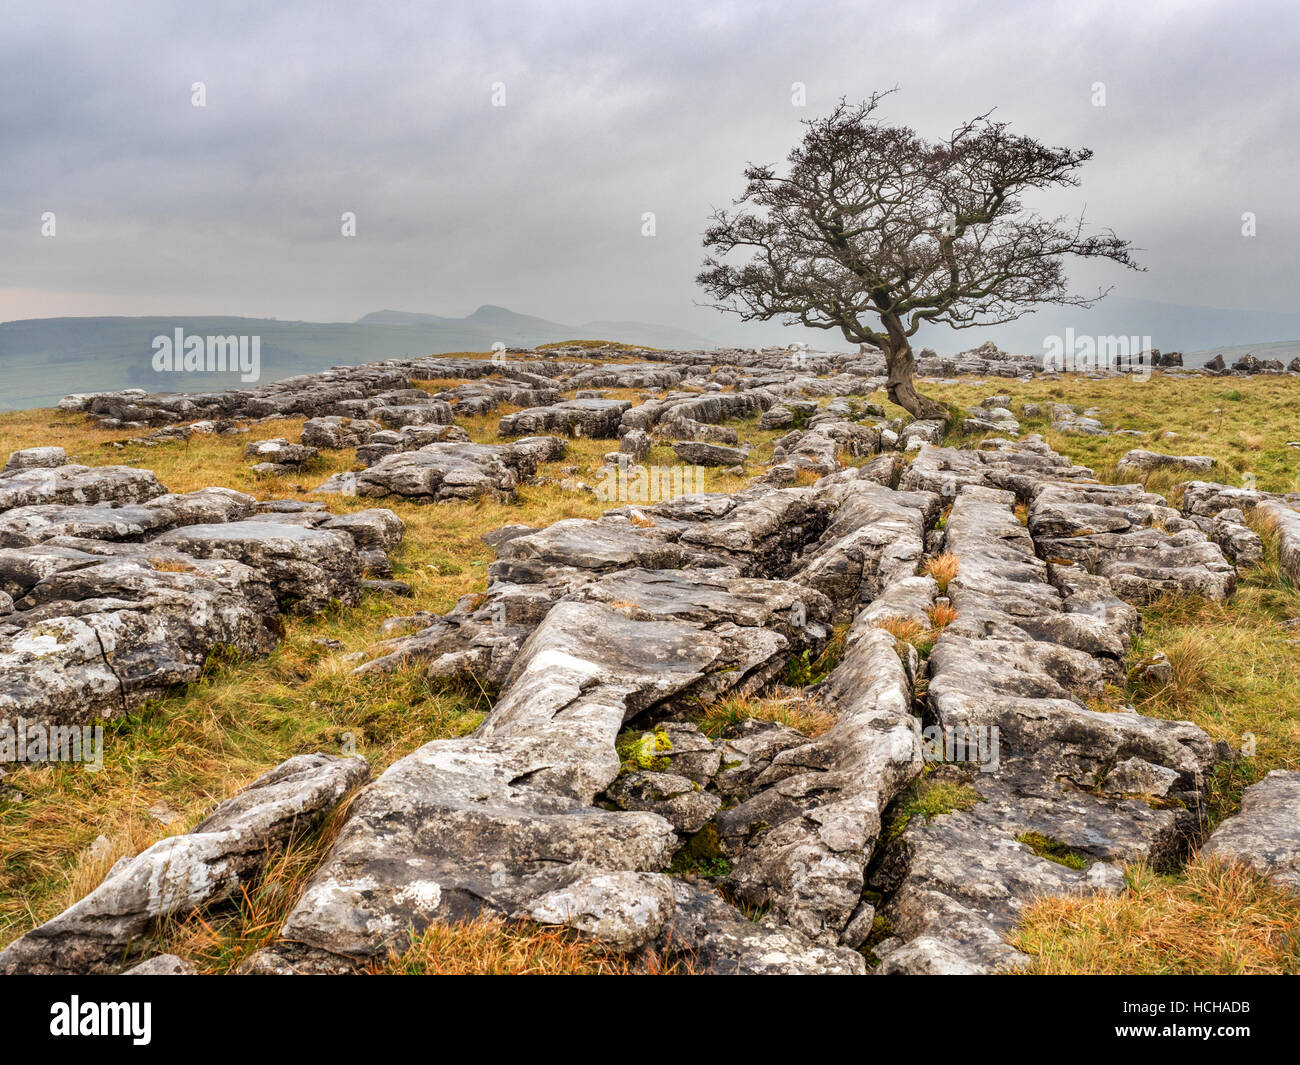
<point>875,231</point>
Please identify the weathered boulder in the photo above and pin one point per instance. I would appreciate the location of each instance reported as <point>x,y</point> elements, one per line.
<point>335,432</point>
<point>387,442</point>
<point>1137,462</point>
<point>701,454</point>
<point>95,636</point>
<point>597,419</point>
<point>23,526</point>
<point>712,936</point>
<point>635,443</point>
<point>181,873</point>
<point>307,567</point>
<point>1265,834</point>
<point>34,458</point>
<point>28,486</point>
<point>624,910</point>
<point>451,471</point>
<point>678,800</point>
<point>280,452</point>
<point>163,965</point>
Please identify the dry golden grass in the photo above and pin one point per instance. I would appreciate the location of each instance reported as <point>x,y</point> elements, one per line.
<point>804,714</point>
<point>909,631</point>
<point>941,615</point>
<point>943,568</point>
<point>1215,918</point>
<point>1194,658</point>
<point>490,946</point>
<point>906,629</point>
<point>493,946</point>
<point>166,565</point>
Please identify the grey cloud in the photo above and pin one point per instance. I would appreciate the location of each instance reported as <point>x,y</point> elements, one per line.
<point>613,110</point>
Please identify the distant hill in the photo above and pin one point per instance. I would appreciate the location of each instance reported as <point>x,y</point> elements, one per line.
<point>44,359</point>
<point>510,327</point>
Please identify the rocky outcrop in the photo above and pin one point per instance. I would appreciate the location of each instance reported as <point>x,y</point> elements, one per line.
<point>181,873</point>
<point>25,486</point>
<point>505,820</point>
<point>627,782</point>
<point>443,472</point>
<point>1017,466</point>
<point>307,568</point>
<point>1131,537</point>
<point>699,453</point>
<point>335,432</point>
<point>278,455</point>
<point>1008,680</point>
<point>35,458</point>
<point>597,419</point>
<point>806,831</point>
<point>112,602</point>
<point>821,449</point>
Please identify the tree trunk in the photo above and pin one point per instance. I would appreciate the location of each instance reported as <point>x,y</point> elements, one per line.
<point>901,364</point>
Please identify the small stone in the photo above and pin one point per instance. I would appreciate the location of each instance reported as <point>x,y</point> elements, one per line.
<point>1155,671</point>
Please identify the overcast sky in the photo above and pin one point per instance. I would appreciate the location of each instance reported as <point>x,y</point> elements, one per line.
<point>611,110</point>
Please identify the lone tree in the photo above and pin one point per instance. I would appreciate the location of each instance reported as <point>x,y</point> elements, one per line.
<point>875,231</point>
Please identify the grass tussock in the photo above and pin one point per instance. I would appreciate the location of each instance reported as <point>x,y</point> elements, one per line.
<point>941,615</point>
<point>804,714</point>
<point>1215,918</point>
<point>1194,660</point>
<point>1234,666</point>
<point>909,631</point>
<point>943,568</point>
<point>937,790</point>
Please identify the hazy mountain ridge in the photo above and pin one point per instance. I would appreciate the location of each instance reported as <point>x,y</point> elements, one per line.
<point>44,359</point>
